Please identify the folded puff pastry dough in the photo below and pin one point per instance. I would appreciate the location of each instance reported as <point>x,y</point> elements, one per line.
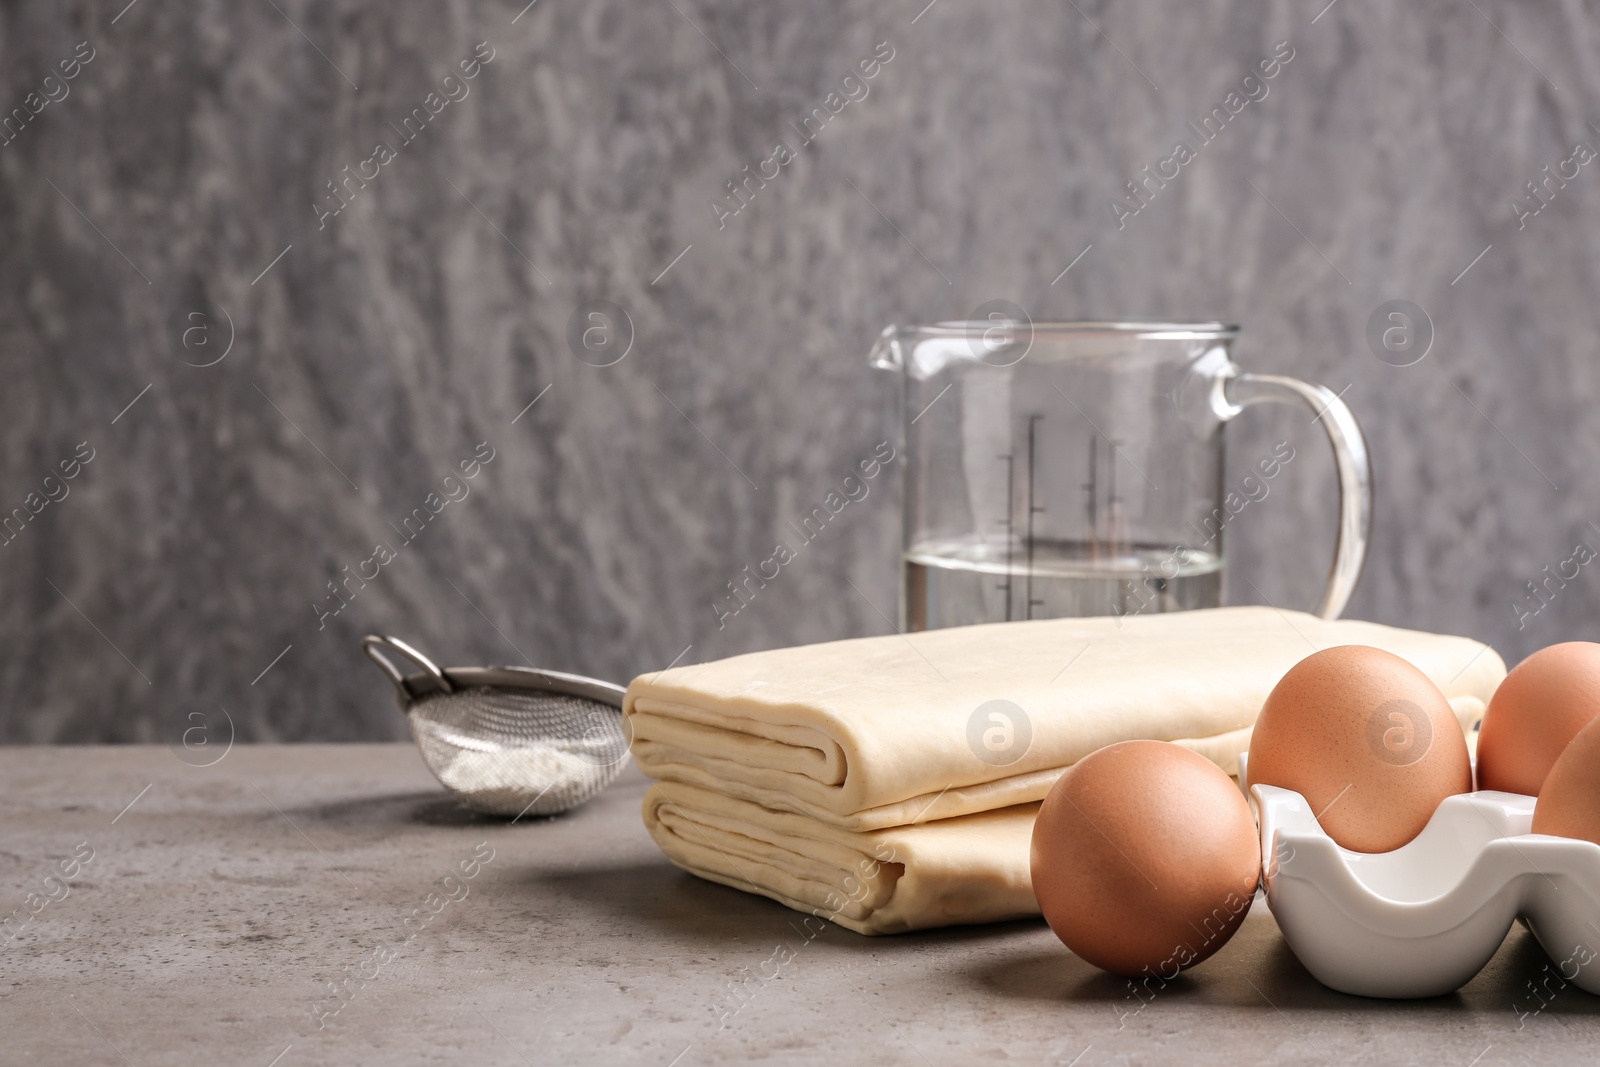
<point>873,732</point>
<point>969,869</point>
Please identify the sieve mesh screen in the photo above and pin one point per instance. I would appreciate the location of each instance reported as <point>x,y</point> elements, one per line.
<point>519,751</point>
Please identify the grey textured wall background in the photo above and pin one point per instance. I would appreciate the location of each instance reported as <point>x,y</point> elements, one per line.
<point>165,206</point>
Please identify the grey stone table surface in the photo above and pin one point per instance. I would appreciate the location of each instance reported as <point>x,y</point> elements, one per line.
<point>173,914</point>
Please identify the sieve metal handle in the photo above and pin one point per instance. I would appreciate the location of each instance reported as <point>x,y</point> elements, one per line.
<point>374,644</point>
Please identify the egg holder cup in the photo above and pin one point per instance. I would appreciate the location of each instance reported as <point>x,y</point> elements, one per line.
<point>1422,920</point>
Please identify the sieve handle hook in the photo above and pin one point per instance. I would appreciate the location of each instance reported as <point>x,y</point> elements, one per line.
<point>374,645</point>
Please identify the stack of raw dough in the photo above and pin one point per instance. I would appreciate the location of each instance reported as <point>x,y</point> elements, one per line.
<point>864,781</point>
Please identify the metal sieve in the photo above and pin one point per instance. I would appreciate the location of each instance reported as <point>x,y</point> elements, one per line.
<point>509,740</point>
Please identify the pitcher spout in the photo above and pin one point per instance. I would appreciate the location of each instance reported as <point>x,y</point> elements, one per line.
<point>887,353</point>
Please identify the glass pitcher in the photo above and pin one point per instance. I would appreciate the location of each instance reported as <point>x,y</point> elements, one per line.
<point>1076,468</point>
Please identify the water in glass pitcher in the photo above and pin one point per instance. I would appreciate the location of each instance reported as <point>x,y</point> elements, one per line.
<point>960,582</point>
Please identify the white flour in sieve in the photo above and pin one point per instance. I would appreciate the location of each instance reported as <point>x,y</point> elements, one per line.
<point>506,781</point>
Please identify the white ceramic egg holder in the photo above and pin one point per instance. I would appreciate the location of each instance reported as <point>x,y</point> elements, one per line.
<point>1422,920</point>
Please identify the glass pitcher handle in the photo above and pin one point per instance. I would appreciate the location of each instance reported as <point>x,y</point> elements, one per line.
<point>1349,457</point>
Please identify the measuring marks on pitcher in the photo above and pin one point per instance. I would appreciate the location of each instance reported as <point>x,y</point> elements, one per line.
<point>1033,567</point>
<point>1031,510</point>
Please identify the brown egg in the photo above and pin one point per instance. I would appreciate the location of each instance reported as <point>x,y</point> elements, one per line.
<point>1538,709</point>
<point>1569,803</point>
<point>1145,858</point>
<point>1367,739</point>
